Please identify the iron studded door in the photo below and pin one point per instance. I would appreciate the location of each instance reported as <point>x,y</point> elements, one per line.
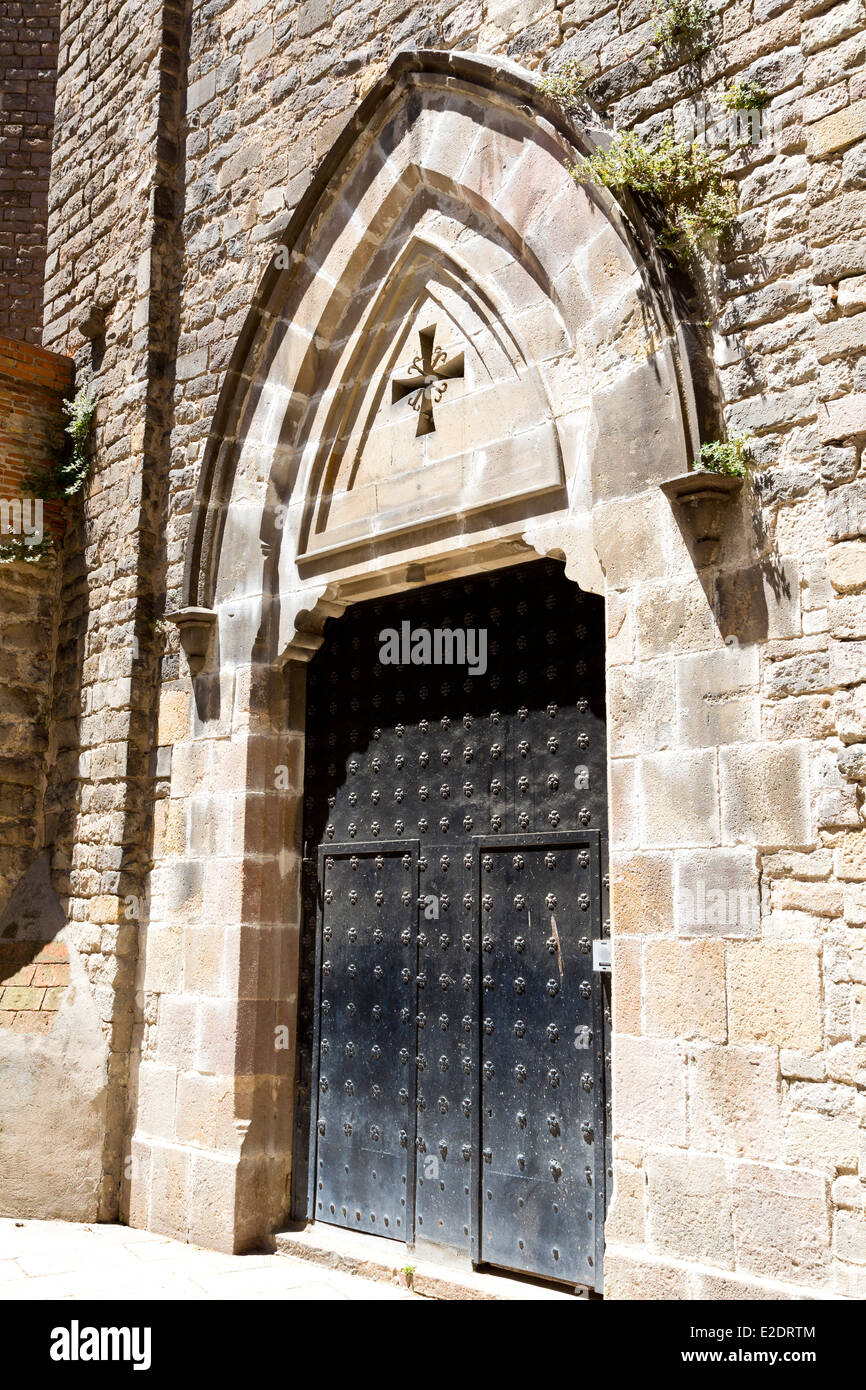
<point>366,1037</point>
<point>541,1124</point>
<point>453,769</point>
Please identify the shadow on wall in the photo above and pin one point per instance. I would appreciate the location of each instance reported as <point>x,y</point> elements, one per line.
<point>52,1062</point>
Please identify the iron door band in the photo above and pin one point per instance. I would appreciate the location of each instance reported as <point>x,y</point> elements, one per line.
<point>582,839</point>
<point>345,851</point>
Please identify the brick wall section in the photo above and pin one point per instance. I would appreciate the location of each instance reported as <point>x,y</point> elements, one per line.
<point>33,383</point>
<point>28,66</point>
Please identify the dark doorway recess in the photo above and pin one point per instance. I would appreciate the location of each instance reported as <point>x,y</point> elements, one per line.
<point>452,1086</point>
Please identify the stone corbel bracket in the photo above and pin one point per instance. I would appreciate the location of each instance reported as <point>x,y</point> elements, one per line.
<point>309,631</point>
<point>195,626</point>
<point>703,500</point>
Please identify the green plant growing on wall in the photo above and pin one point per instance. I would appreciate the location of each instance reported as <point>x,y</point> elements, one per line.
<point>81,411</point>
<point>18,549</point>
<point>67,477</point>
<point>730,457</point>
<point>684,181</point>
<point>63,478</point>
<point>566,84</point>
<point>745,96</point>
<point>681,28</point>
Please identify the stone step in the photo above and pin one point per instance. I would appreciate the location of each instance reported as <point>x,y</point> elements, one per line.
<point>376,1257</point>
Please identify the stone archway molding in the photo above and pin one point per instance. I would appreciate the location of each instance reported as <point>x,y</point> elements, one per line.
<point>454,162</point>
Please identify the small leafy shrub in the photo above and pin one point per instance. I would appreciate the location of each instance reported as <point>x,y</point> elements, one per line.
<point>731,458</point>
<point>681,28</point>
<point>69,475</point>
<point>745,96</point>
<point>684,180</point>
<point>566,84</point>
<point>18,549</point>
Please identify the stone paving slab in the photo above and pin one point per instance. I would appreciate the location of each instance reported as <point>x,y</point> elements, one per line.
<point>47,1260</point>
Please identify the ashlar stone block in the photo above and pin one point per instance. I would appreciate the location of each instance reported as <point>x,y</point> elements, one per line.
<point>781,1222</point>
<point>774,994</point>
<point>717,893</point>
<point>679,800</point>
<point>765,794</point>
<point>649,1089</point>
<point>689,1203</point>
<point>734,1101</point>
<point>685,989</point>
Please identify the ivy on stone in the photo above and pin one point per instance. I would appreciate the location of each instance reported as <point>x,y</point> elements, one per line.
<point>682,28</point>
<point>68,476</point>
<point>685,181</point>
<point>745,96</point>
<point>730,457</point>
<point>566,84</point>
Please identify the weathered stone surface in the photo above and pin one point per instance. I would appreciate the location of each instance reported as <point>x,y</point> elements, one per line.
<point>850,856</point>
<point>765,795</point>
<point>756,602</point>
<point>843,417</point>
<point>716,893</point>
<point>850,713</point>
<point>774,995</point>
<point>846,566</point>
<point>734,1101</point>
<point>818,1141</point>
<point>627,1009</point>
<point>836,131</point>
<point>651,1095</point>
<point>851,1238</point>
<point>624,803</point>
<point>633,1276</point>
<point>642,893</point>
<point>678,799</point>
<point>625,1223</point>
<point>173,717</point>
<point>846,511</point>
<point>781,1223</point>
<point>689,1203</point>
<point>848,617</point>
<point>851,296</point>
<point>685,990</point>
<point>641,708</point>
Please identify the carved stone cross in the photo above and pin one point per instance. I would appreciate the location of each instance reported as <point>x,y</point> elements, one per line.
<point>427,379</point>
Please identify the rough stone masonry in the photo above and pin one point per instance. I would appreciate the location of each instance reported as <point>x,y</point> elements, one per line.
<point>192,141</point>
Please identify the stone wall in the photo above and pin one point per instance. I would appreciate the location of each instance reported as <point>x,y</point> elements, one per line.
<point>737,703</point>
<point>110,296</point>
<point>52,1053</point>
<point>32,385</point>
<point>28,59</point>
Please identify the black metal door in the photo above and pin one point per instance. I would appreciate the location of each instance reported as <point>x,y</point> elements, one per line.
<point>468,949</point>
<point>365,1022</point>
<point>539,1094</point>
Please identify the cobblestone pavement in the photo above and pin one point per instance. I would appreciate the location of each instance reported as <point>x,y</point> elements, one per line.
<point>64,1260</point>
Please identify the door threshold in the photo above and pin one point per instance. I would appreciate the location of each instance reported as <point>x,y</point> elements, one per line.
<point>377,1257</point>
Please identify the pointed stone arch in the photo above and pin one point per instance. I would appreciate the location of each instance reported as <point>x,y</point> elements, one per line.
<point>446,203</point>
<point>451,177</point>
